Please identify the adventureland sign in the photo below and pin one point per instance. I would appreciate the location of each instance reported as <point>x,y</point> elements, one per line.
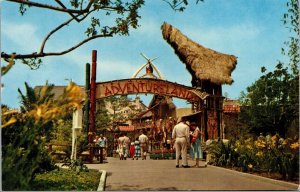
<point>145,85</point>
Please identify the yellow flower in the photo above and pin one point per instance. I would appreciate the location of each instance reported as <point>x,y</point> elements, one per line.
<point>237,143</point>
<point>249,147</point>
<point>11,121</point>
<point>260,144</point>
<point>39,112</point>
<point>294,145</point>
<point>250,166</point>
<point>75,95</point>
<point>259,154</point>
<point>10,112</point>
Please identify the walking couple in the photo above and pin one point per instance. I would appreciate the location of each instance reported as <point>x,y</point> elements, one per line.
<point>181,134</point>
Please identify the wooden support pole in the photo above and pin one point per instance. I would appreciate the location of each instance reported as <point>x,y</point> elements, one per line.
<point>93,105</point>
<point>87,103</point>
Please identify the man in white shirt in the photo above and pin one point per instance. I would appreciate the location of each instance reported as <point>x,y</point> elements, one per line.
<point>143,139</point>
<point>181,134</point>
<point>126,143</point>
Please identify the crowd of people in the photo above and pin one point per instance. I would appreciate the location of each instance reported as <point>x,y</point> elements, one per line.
<point>133,149</point>
<point>185,136</point>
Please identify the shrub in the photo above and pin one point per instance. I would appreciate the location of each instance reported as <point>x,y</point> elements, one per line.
<point>66,180</point>
<point>276,155</point>
<point>223,153</point>
<point>24,135</point>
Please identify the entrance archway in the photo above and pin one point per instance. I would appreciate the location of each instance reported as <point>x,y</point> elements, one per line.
<point>148,85</point>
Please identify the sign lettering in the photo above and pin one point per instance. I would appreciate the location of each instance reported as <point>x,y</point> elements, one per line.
<point>145,85</point>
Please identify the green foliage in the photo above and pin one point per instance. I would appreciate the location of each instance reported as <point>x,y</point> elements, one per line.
<point>62,131</point>
<point>23,153</point>
<point>24,135</point>
<point>223,153</point>
<point>66,180</point>
<point>107,19</point>
<point>235,129</point>
<point>103,120</point>
<point>75,165</point>
<point>270,155</point>
<point>179,5</point>
<point>33,63</point>
<point>35,97</point>
<point>10,63</point>
<point>271,102</point>
<point>291,20</point>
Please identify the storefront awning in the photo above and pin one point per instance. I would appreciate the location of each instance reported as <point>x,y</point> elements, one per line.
<point>192,114</point>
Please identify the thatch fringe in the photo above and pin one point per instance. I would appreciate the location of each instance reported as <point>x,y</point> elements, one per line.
<point>204,63</point>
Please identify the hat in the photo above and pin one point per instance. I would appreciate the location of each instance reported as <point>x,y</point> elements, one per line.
<point>179,119</point>
<point>188,123</point>
<point>193,124</point>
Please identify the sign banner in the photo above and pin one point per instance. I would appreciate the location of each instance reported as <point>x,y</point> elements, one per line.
<point>145,85</point>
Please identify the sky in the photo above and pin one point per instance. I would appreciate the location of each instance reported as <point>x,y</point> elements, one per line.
<point>251,30</point>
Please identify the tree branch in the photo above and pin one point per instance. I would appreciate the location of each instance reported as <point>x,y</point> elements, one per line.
<point>78,45</point>
<point>63,6</point>
<point>41,5</point>
<point>41,54</point>
<point>58,28</point>
<point>52,32</point>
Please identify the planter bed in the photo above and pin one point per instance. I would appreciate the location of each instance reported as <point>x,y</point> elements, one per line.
<point>163,154</point>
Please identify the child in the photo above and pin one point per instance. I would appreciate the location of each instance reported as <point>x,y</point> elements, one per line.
<point>132,150</point>
<point>137,149</point>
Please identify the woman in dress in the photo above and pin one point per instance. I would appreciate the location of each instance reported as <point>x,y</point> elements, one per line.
<point>195,151</point>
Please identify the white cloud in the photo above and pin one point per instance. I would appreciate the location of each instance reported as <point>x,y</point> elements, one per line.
<point>223,37</point>
<point>114,69</point>
<point>149,27</point>
<point>23,35</point>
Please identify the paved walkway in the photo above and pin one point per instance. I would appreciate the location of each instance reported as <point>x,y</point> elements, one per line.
<point>161,175</point>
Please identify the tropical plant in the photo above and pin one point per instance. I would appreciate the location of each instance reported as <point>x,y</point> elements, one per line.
<point>23,138</point>
<point>264,154</point>
<point>35,97</point>
<point>223,153</point>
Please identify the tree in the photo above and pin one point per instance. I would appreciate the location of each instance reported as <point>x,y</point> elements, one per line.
<point>272,102</point>
<point>107,19</point>
<point>103,120</point>
<point>291,20</point>
<point>270,107</point>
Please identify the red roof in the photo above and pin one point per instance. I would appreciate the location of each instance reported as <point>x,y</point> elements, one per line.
<point>231,106</point>
<point>127,128</point>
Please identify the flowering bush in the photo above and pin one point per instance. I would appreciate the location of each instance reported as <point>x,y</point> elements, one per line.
<point>272,154</point>
<point>24,136</point>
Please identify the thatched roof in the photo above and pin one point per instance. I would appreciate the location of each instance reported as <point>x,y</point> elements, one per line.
<point>201,62</point>
<point>180,112</point>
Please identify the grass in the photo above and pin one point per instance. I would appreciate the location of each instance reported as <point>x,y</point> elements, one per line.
<point>66,180</point>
